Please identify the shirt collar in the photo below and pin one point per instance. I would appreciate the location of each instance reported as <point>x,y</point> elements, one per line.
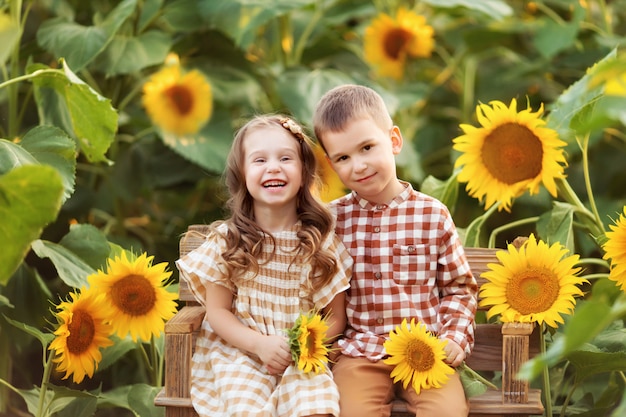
<point>396,201</point>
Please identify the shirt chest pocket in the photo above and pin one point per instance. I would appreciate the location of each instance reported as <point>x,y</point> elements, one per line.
<point>414,264</point>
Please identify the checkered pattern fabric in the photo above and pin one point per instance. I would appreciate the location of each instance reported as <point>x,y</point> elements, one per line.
<point>408,263</point>
<point>229,382</point>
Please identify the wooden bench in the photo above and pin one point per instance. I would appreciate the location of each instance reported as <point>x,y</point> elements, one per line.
<point>498,349</point>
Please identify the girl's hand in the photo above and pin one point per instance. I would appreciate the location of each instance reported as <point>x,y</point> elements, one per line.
<point>274,353</point>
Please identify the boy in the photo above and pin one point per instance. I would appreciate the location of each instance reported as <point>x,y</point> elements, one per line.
<point>408,260</point>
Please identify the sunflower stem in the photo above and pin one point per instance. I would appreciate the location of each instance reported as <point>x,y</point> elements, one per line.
<point>589,220</point>
<point>475,375</point>
<point>511,225</point>
<point>155,366</point>
<point>301,43</point>
<point>592,200</point>
<point>568,397</point>
<point>146,359</point>
<point>546,372</point>
<point>593,261</point>
<point>45,379</point>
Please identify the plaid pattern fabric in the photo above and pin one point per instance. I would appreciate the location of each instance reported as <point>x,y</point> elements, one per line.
<point>408,263</point>
<point>229,382</point>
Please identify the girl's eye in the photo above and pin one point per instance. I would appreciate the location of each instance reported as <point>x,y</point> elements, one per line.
<point>367,147</point>
<point>259,160</point>
<point>342,158</point>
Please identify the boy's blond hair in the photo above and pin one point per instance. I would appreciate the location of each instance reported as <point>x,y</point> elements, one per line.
<point>345,103</point>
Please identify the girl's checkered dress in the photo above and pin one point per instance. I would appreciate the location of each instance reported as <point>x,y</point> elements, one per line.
<point>229,382</point>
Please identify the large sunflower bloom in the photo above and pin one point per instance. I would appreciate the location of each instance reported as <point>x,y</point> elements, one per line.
<point>512,152</point>
<point>178,102</point>
<point>535,283</point>
<point>418,356</point>
<point>615,250</point>
<point>307,340</point>
<point>388,41</point>
<point>138,304</point>
<point>82,331</point>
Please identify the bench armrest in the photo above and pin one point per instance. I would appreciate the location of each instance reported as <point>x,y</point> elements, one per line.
<point>515,352</point>
<point>180,334</point>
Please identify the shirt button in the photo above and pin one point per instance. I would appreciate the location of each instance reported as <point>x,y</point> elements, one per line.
<point>380,206</point>
<point>377,229</point>
<point>411,248</point>
<point>379,321</point>
<point>377,275</point>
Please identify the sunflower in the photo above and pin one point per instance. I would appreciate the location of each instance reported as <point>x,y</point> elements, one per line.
<point>388,41</point>
<point>177,102</point>
<point>82,331</point>
<point>616,86</point>
<point>307,340</point>
<point>138,304</point>
<point>615,250</point>
<point>418,356</point>
<point>535,283</point>
<point>512,152</point>
<point>332,187</point>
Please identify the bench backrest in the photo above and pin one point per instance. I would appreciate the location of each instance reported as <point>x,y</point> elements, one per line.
<point>487,352</point>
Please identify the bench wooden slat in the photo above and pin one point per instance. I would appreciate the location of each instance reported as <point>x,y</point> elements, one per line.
<point>488,404</point>
<point>493,351</point>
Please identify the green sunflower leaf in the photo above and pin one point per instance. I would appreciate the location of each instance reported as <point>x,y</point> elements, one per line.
<point>89,243</point>
<point>495,9</point>
<point>575,105</point>
<point>44,338</point>
<point>64,100</point>
<point>588,363</point>
<point>52,146</point>
<point>30,198</point>
<point>126,55</point>
<point>242,19</point>
<point>471,384</point>
<point>207,148</point>
<point>78,44</point>
<point>9,35</point>
<point>557,225</point>
<point>445,191</point>
<point>71,268</point>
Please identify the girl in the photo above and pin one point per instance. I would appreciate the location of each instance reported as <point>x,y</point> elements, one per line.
<point>275,257</point>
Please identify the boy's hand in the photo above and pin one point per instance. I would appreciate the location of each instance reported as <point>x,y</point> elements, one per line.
<point>455,354</point>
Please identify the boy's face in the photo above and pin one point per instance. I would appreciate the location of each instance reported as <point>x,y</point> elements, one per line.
<point>363,156</point>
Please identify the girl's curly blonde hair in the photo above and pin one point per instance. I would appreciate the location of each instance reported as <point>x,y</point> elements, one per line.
<point>244,238</point>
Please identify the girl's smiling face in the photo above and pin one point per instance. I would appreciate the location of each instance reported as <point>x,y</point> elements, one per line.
<point>272,166</point>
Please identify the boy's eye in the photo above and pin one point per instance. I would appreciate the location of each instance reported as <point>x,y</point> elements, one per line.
<point>342,158</point>
<point>367,147</point>
<point>259,160</point>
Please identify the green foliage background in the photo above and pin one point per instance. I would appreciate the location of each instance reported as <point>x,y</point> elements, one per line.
<point>83,170</point>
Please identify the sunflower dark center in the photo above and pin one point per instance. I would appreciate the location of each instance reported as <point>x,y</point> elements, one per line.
<point>533,290</point>
<point>134,295</point>
<point>82,331</point>
<point>395,42</point>
<point>419,356</point>
<point>512,153</point>
<point>181,97</point>
<point>310,342</point>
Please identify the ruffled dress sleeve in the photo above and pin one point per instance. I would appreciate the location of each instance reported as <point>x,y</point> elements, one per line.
<point>341,280</point>
<point>204,266</point>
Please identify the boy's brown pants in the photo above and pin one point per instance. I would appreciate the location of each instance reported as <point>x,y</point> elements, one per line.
<point>366,390</point>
